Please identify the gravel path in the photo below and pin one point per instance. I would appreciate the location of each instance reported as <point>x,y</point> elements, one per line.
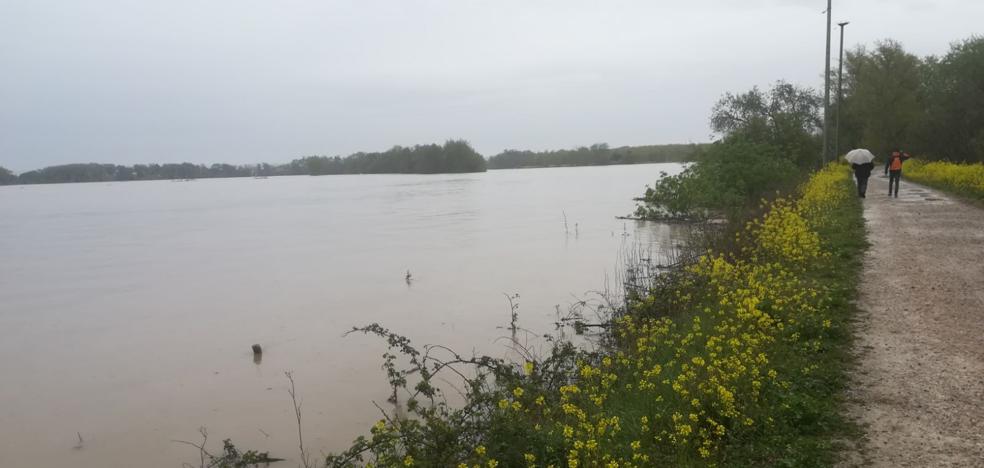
<point>918,390</point>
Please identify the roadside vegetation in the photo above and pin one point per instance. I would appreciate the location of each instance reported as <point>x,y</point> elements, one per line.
<point>966,180</point>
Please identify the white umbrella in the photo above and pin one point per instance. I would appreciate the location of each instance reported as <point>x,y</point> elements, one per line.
<point>859,156</point>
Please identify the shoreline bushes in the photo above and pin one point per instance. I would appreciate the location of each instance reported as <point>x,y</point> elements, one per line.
<point>726,178</point>
<point>599,154</point>
<point>770,141</point>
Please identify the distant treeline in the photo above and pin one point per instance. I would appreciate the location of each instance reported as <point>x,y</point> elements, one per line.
<point>595,155</point>
<point>453,157</point>
<point>94,172</point>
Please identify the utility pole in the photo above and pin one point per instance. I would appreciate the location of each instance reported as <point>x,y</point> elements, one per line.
<point>826,92</point>
<point>840,89</point>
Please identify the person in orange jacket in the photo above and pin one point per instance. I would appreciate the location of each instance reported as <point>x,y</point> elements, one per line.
<point>893,168</point>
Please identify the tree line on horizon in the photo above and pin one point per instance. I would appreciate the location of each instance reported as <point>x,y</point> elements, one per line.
<point>96,172</point>
<point>599,154</point>
<point>454,156</point>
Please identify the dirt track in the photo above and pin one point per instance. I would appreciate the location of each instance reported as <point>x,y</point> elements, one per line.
<point>919,388</point>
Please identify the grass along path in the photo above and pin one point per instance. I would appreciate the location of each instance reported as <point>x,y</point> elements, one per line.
<point>919,385</point>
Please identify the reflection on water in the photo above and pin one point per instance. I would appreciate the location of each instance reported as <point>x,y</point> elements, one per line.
<point>129,309</point>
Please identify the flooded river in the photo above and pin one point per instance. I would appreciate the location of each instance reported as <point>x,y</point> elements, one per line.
<point>127,310</point>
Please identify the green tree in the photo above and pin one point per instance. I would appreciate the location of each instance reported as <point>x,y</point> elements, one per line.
<point>953,93</point>
<point>881,107</point>
<point>786,116</point>
<point>769,138</point>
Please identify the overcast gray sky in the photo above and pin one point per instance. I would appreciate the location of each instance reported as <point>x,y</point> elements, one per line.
<point>243,81</point>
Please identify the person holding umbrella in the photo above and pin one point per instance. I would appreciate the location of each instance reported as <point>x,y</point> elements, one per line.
<point>861,162</point>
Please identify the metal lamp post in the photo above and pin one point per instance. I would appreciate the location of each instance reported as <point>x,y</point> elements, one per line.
<point>840,89</point>
<point>826,92</point>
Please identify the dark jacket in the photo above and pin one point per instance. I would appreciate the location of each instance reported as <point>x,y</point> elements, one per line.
<point>863,171</point>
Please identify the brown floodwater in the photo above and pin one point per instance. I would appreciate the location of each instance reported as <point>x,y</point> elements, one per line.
<point>127,310</point>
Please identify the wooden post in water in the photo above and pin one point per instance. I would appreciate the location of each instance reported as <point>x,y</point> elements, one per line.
<point>257,354</point>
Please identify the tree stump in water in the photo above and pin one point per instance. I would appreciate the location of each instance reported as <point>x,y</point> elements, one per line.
<point>257,354</point>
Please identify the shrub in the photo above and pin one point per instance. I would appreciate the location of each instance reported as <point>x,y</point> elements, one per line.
<point>725,178</point>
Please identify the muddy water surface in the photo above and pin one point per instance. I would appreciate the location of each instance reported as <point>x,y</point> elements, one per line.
<point>127,310</point>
